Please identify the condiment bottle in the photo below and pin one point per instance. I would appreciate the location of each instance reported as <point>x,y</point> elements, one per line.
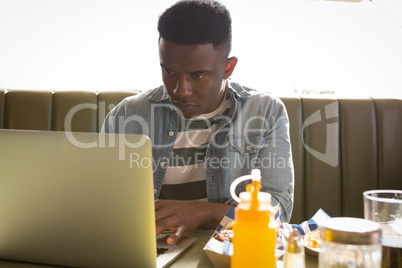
<point>254,230</point>
<point>294,251</point>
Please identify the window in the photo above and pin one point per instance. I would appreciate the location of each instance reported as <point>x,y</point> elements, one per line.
<point>285,47</point>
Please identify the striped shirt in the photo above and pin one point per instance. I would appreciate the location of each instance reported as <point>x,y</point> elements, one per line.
<point>185,177</point>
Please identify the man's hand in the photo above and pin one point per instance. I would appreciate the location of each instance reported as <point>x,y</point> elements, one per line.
<point>183,217</point>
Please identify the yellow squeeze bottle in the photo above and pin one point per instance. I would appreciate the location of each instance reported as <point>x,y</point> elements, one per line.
<point>254,231</point>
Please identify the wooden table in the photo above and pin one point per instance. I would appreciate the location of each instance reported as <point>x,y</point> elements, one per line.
<point>196,257</point>
<point>192,257</point>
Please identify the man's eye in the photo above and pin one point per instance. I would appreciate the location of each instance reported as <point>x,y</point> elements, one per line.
<point>199,76</point>
<point>169,72</point>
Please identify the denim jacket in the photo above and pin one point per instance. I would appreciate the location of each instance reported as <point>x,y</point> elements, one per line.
<point>254,134</point>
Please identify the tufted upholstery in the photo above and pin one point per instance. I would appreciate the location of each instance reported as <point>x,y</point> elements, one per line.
<point>366,138</point>
<point>47,110</point>
<point>341,147</point>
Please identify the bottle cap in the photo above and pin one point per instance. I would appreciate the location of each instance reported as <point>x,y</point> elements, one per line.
<point>256,174</point>
<point>264,198</point>
<point>245,197</point>
<point>352,231</point>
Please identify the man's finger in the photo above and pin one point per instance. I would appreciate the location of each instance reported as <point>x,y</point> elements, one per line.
<point>173,239</point>
<point>161,226</point>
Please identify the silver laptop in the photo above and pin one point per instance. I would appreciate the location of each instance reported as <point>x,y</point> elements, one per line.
<point>78,199</point>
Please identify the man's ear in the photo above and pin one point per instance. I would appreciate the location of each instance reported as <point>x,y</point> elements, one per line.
<point>230,66</point>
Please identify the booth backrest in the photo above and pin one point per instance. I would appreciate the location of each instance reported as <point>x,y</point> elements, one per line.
<point>48,110</point>
<point>341,147</point>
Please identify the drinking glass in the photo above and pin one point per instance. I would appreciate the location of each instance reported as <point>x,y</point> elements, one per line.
<point>385,207</point>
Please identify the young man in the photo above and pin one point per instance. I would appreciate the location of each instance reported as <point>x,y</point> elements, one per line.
<point>206,130</point>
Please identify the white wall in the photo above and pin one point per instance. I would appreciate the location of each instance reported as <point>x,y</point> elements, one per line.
<point>283,46</point>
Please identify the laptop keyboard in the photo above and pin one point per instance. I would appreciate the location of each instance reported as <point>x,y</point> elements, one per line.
<point>160,251</point>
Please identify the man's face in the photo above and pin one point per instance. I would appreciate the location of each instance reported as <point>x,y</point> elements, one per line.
<point>193,76</point>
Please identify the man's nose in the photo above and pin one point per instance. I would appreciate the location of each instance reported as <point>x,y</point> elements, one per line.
<point>183,87</point>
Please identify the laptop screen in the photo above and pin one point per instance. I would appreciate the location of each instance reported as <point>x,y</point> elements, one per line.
<point>76,199</point>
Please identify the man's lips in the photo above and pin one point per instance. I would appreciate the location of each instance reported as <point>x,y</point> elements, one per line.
<point>184,105</point>
<point>186,108</point>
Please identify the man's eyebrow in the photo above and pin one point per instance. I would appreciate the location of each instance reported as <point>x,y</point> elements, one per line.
<point>201,71</point>
<point>195,72</point>
<point>163,66</point>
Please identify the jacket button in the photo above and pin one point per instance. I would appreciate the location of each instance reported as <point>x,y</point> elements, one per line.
<point>155,191</point>
<point>248,147</point>
<point>171,133</point>
<point>163,164</point>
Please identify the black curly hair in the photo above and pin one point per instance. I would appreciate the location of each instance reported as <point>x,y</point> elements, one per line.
<point>191,22</point>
